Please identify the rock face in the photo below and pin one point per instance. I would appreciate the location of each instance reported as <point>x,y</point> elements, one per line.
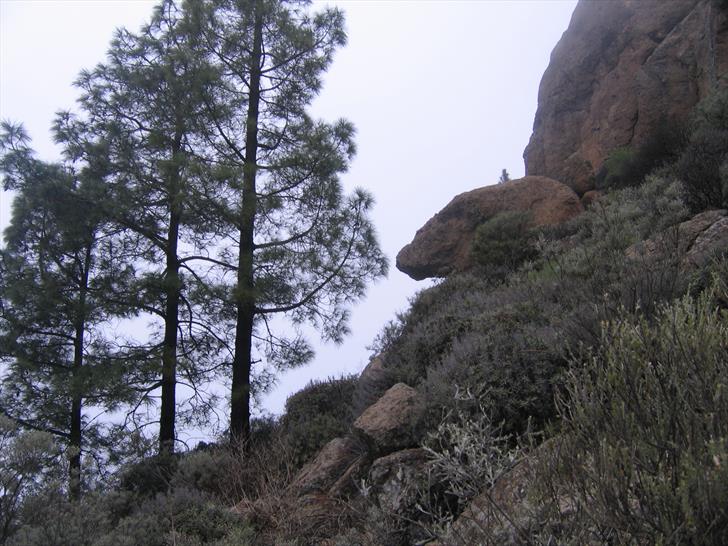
<point>320,474</point>
<point>398,478</point>
<point>348,473</point>
<point>691,243</point>
<point>621,70</point>
<point>492,513</point>
<point>392,422</point>
<point>442,245</point>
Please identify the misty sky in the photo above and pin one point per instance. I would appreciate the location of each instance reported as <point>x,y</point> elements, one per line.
<point>443,95</point>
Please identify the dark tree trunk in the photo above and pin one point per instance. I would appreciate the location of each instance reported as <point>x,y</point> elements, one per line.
<point>245,307</point>
<point>169,349</point>
<point>75,440</point>
<point>173,290</point>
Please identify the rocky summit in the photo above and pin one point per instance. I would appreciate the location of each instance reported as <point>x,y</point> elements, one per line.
<point>623,71</point>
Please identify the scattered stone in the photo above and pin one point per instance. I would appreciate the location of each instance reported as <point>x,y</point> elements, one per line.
<point>397,479</point>
<point>330,464</point>
<point>372,384</point>
<point>691,244</point>
<point>393,421</point>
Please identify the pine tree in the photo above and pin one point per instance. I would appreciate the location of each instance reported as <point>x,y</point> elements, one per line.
<point>60,270</point>
<point>302,249</point>
<point>141,121</point>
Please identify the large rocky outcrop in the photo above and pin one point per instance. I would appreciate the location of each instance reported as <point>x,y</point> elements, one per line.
<point>383,468</point>
<point>442,245</point>
<point>621,70</point>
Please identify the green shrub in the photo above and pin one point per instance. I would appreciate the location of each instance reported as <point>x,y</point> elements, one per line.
<point>619,170</point>
<point>503,242</point>
<point>28,465</point>
<point>645,418</point>
<point>628,166</point>
<point>702,166</point>
<point>509,361</point>
<point>468,452</point>
<point>149,476</point>
<point>319,412</point>
<point>181,516</point>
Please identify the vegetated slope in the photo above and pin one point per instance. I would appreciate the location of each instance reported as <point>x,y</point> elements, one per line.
<point>569,392</point>
<point>566,386</point>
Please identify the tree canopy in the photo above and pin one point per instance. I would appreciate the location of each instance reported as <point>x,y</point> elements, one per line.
<point>194,191</point>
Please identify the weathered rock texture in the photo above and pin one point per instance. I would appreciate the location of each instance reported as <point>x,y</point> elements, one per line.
<point>320,474</point>
<point>398,479</point>
<point>373,383</point>
<point>326,492</point>
<point>392,422</point>
<point>442,245</point>
<point>690,244</point>
<point>622,69</point>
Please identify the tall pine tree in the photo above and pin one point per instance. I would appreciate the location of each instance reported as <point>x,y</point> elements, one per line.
<point>141,119</point>
<point>301,248</point>
<point>61,270</point>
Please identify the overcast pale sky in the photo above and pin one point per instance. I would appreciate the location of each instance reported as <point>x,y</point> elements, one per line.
<point>443,94</point>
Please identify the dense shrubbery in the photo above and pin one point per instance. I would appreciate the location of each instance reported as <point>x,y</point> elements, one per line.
<point>703,164</point>
<point>507,340</point>
<point>181,516</point>
<point>513,342</point>
<point>637,450</point>
<point>316,414</point>
<point>644,424</point>
<point>468,453</point>
<point>503,242</point>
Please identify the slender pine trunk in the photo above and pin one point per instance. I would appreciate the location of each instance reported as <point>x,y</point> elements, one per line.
<point>173,291</point>
<point>75,436</point>
<point>169,348</point>
<point>245,305</point>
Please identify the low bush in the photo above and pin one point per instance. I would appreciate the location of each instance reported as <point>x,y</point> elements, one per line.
<point>468,452</point>
<point>183,517</point>
<point>628,166</point>
<point>319,412</point>
<point>645,422</point>
<point>502,243</point>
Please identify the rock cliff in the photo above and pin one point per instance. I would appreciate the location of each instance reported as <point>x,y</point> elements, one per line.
<point>623,70</point>
<point>624,73</point>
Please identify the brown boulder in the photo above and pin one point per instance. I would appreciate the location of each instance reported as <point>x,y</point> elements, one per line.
<point>329,465</point>
<point>398,479</point>
<point>511,508</point>
<point>393,421</point>
<point>712,240</point>
<point>442,245</point>
<point>590,197</point>
<point>621,71</point>
<point>496,513</point>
